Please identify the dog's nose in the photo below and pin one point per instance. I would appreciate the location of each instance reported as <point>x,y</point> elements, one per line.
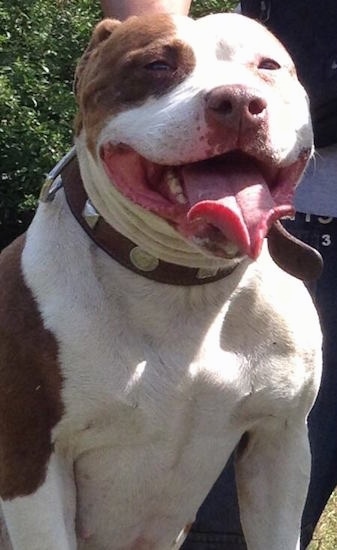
<point>236,104</point>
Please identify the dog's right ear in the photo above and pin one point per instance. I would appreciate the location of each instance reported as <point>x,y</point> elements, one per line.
<point>101,32</point>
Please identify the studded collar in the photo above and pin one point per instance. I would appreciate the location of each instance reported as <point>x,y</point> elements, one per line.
<point>66,175</point>
<point>290,254</point>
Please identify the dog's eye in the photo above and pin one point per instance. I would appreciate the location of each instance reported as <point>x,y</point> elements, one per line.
<point>269,65</point>
<point>158,65</point>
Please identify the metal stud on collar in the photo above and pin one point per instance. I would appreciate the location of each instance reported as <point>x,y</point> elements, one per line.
<point>206,273</point>
<point>143,260</point>
<point>90,214</point>
<point>53,181</point>
<point>50,188</point>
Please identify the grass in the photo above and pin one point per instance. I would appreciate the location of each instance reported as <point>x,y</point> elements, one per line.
<point>325,535</point>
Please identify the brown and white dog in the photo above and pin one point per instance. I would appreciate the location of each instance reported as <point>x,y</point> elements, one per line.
<point>127,381</point>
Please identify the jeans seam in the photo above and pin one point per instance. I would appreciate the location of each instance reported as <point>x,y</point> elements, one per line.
<point>197,536</point>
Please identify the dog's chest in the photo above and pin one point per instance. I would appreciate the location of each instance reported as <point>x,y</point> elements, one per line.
<point>145,406</point>
<point>140,377</point>
<point>148,401</point>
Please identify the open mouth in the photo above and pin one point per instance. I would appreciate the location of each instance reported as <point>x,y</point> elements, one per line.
<point>225,204</point>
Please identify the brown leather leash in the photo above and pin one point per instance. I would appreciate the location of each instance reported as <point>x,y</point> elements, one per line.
<point>292,255</point>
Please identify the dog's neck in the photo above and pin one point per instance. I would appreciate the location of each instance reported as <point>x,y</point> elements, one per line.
<point>152,234</point>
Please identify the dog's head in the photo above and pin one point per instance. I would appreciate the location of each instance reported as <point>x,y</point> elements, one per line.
<point>199,129</point>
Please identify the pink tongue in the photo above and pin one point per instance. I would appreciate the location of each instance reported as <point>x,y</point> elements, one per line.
<point>235,198</point>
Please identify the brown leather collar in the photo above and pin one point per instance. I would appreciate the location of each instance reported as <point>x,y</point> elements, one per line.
<point>292,255</point>
<point>67,175</point>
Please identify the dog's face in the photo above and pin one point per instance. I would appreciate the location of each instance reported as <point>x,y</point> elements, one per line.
<point>203,123</point>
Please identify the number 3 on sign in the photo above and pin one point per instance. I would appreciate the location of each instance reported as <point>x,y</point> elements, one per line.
<point>326,239</point>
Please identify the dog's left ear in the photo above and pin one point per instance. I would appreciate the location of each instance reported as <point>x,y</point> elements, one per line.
<point>101,33</point>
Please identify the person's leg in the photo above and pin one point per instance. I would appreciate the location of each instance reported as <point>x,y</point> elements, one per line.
<point>217,525</point>
<point>121,9</point>
<point>322,232</point>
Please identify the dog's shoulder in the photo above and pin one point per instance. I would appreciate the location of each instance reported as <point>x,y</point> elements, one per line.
<point>269,303</point>
<point>30,381</point>
<point>272,324</point>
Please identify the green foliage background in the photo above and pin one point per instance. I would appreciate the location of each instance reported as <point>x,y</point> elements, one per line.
<point>40,42</point>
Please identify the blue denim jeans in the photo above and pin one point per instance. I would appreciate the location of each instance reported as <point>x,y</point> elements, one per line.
<point>217,525</point>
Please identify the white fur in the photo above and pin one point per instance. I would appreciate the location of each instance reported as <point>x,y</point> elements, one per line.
<point>163,130</point>
<point>161,382</point>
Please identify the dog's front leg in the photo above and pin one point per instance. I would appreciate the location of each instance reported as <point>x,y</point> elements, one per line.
<point>272,471</point>
<point>44,520</point>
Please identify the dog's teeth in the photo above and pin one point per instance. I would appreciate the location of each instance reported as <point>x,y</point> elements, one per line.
<point>175,188</point>
<point>181,198</point>
<point>231,250</point>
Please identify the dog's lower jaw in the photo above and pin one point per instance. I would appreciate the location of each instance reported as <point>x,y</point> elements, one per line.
<point>147,230</point>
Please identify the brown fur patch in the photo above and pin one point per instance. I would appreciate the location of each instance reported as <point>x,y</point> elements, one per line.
<point>30,382</point>
<point>119,72</point>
